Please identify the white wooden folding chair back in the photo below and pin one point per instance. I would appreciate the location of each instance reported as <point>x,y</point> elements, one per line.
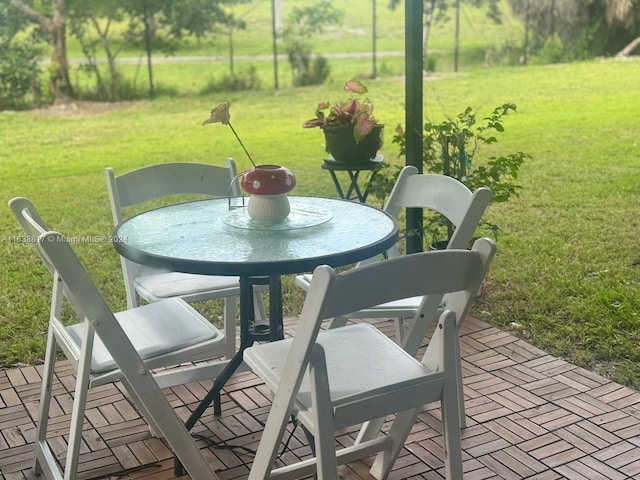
<point>441,194</point>
<point>165,180</point>
<point>31,222</point>
<point>165,333</point>
<point>444,195</point>
<point>33,226</point>
<point>155,182</point>
<point>354,374</point>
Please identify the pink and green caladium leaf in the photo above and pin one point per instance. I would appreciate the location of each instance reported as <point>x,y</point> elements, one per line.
<point>363,127</point>
<point>322,106</point>
<point>355,86</point>
<point>352,106</point>
<point>314,122</point>
<point>337,112</point>
<point>321,117</point>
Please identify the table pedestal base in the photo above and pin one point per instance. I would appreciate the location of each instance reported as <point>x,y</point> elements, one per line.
<point>250,332</point>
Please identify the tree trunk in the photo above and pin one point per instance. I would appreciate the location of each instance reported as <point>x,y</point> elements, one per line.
<point>426,29</point>
<point>113,88</point>
<point>55,26</point>
<point>629,48</point>
<point>60,81</point>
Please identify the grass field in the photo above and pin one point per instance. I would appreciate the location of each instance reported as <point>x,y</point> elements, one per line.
<point>568,271</point>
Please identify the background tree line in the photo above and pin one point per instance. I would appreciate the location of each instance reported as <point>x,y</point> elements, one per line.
<point>150,25</point>
<point>555,31</point>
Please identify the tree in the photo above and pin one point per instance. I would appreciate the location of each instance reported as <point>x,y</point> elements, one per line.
<point>90,23</point>
<point>167,22</point>
<point>19,63</point>
<point>164,23</point>
<point>151,25</point>
<point>303,23</point>
<point>625,13</point>
<point>54,25</point>
<point>579,28</point>
<point>435,10</point>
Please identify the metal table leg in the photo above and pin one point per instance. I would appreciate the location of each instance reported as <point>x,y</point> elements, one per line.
<point>249,332</point>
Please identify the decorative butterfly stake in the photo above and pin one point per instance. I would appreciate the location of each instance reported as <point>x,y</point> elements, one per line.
<point>220,114</point>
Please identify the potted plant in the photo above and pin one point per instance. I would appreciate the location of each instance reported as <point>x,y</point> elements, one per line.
<point>352,133</point>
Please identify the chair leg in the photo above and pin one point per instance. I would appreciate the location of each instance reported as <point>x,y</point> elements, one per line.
<point>451,433</point>
<point>441,353</point>
<point>258,306</point>
<point>270,442</point>
<point>401,428</point>
<point>45,397</point>
<point>431,359</point>
<point>399,330</point>
<point>460,385</point>
<point>336,322</point>
<point>150,399</point>
<point>326,462</point>
<point>398,433</point>
<point>452,402</point>
<point>79,403</point>
<point>230,313</point>
<point>153,426</point>
<point>281,409</point>
<point>369,430</point>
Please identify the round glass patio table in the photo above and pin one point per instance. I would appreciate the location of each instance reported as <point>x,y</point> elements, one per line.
<point>211,237</point>
<point>208,237</point>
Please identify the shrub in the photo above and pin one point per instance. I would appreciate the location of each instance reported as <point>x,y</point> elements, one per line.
<point>111,86</point>
<point>553,50</point>
<point>20,73</point>
<point>430,64</point>
<point>250,80</point>
<point>304,23</point>
<point>314,74</point>
<point>450,148</point>
<point>505,53</point>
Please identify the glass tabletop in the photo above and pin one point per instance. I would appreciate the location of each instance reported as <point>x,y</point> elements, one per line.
<point>199,237</point>
<point>298,218</point>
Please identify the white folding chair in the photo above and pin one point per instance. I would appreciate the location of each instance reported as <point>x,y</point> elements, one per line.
<point>354,374</point>
<point>440,193</point>
<point>104,346</point>
<point>164,180</point>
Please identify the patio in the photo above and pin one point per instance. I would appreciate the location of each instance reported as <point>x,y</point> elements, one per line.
<point>529,415</point>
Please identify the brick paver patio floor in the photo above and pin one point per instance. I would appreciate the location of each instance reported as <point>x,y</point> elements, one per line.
<point>529,415</point>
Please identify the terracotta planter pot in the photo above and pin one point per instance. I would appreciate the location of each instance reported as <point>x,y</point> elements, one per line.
<point>343,147</point>
<point>268,186</point>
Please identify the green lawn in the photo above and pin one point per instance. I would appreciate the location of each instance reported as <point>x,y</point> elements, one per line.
<point>567,274</point>
<point>566,277</point>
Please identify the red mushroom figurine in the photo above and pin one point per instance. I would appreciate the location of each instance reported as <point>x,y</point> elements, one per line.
<point>268,186</point>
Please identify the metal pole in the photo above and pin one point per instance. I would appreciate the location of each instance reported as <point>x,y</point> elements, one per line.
<point>457,43</point>
<point>274,29</point>
<point>375,72</point>
<point>414,63</point>
<point>147,43</point>
<point>525,47</point>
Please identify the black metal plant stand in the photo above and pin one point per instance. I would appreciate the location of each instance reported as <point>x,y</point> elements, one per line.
<point>353,190</point>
